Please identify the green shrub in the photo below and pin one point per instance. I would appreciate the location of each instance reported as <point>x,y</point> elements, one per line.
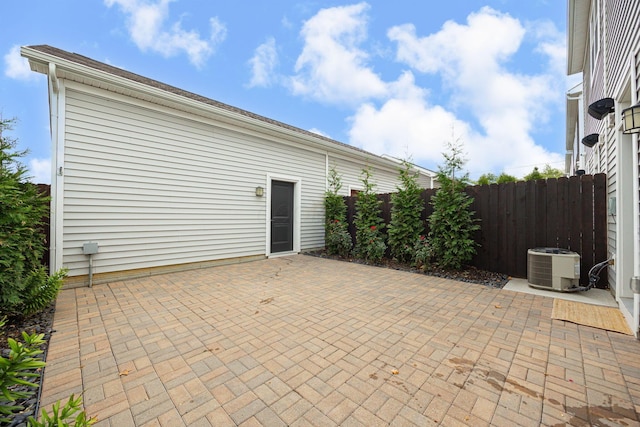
<point>370,245</point>
<point>336,234</point>
<point>337,239</point>
<point>334,206</point>
<point>422,253</point>
<point>40,290</point>
<point>406,216</point>
<point>24,285</point>
<point>452,223</point>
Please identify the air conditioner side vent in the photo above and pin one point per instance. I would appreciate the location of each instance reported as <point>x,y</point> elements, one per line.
<point>539,269</point>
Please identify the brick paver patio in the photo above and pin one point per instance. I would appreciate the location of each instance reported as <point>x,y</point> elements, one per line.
<point>307,341</point>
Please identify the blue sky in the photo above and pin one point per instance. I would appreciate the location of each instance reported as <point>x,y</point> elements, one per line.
<point>400,78</point>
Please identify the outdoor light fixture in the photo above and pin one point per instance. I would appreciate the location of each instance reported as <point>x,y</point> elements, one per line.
<point>631,119</point>
<point>590,140</point>
<point>601,108</point>
<point>259,191</point>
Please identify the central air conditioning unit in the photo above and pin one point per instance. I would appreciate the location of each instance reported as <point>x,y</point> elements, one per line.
<point>553,269</point>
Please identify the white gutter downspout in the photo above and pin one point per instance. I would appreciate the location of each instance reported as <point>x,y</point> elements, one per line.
<point>55,245</point>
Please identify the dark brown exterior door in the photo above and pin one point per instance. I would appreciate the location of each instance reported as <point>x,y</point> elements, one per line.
<point>281,216</point>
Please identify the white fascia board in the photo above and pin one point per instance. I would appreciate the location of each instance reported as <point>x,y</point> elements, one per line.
<point>577,34</point>
<point>39,63</point>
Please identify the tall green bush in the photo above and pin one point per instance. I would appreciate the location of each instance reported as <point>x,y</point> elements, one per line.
<point>452,222</point>
<point>24,285</point>
<point>370,245</point>
<point>337,237</point>
<point>406,216</point>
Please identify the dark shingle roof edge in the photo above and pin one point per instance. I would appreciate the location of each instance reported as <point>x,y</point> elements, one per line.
<point>119,72</point>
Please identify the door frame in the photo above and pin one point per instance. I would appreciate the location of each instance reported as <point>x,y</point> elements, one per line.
<point>297,198</point>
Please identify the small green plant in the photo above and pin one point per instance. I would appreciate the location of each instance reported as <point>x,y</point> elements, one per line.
<point>337,237</point>
<point>370,245</point>
<point>422,253</point>
<point>40,290</point>
<point>16,370</point>
<point>63,416</point>
<point>452,223</point>
<point>406,215</point>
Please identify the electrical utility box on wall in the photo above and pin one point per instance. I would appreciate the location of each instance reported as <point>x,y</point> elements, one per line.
<point>90,248</point>
<point>553,269</point>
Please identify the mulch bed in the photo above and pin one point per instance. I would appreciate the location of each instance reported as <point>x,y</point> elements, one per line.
<point>470,274</point>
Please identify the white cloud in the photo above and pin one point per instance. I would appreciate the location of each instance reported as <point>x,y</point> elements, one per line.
<point>146,25</point>
<point>218,31</point>
<point>332,68</point>
<point>263,63</point>
<point>40,171</point>
<point>552,43</point>
<point>406,125</point>
<point>472,60</point>
<point>17,67</point>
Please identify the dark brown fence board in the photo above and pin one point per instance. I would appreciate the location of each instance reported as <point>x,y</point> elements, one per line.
<point>530,214</point>
<point>541,217</point>
<point>574,215</point>
<point>552,214</point>
<point>562,227</point>
<point>385,207</point>
<point>351,212</point>
<point>475,192</point>
<point>504,259</point>
<point>587,209</point>
<point>520,223</point>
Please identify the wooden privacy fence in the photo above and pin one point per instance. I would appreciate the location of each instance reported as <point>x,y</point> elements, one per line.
<point>567,213</point>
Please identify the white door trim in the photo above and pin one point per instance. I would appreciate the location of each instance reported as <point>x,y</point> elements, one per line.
<point>297,211</point>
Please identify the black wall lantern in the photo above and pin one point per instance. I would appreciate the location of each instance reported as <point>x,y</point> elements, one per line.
<point>631,119</point>
<point>601,108</point>
<point>590,140</point>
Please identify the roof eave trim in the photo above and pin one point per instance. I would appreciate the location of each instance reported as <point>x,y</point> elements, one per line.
<point>65,65</point>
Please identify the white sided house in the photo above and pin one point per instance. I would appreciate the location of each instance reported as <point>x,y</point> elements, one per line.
<point>604,45</point>
<point>149,178</point>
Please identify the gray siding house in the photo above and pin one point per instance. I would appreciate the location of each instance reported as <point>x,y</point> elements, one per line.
<point>162,179</point>
<point>604,45</point>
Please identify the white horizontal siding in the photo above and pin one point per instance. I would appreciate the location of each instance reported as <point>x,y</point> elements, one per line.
<point>350,171</point>
<point>154,189</point>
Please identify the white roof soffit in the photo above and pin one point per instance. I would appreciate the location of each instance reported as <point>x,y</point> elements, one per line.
<point>577,34</point>
<point>39,62</point>
<point>572,112</point>
<point>571,122</point>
